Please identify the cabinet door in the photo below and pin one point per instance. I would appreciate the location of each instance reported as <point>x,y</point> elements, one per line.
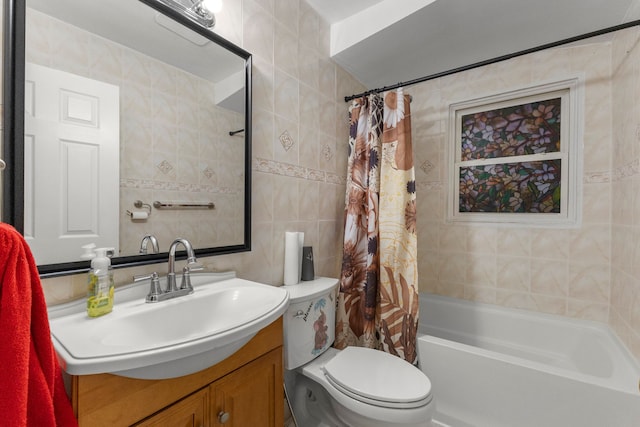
<point>188,412</point>
<point>251,396</point>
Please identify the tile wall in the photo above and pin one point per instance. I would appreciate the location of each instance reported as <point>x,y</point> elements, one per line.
<point>624,314</point>
<point>559,271</point>
<point>585,272</point>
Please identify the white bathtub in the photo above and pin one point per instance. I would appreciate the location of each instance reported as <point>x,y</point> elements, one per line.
<point>499,367</point>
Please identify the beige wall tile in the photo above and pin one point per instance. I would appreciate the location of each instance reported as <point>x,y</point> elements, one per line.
<point>452,268</point>
<point>548,304</point>
<point>589,282</point>
<point>549,277</point>
<point>552,244</point>
<point>588,310</point>
<point>515,299</point>
<point>258,30</point>
<point>452,238</point>
<point>480,294</point>
<point>591,244</point>
<point>514,273</point>
<point>596,206</point>
<point>482,270</point>
<point>514,242</point>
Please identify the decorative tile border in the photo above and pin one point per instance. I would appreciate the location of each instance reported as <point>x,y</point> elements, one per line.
<point>146,184</point>
<point>626,171</point>
<point>430,186</point>
<point>285,169</point>
<point>597,178</point>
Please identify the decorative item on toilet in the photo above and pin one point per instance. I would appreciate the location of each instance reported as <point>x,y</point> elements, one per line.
<point>308,272</point>
<point>313,310</point>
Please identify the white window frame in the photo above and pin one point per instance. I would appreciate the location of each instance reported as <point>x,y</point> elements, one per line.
<point>571,127</point>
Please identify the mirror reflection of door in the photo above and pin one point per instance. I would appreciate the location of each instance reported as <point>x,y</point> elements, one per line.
<point>71,163</point>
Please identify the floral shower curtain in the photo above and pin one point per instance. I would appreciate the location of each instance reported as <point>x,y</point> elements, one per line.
<point>378,299</point>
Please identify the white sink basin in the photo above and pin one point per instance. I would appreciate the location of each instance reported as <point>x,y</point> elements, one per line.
<point>166,339</point>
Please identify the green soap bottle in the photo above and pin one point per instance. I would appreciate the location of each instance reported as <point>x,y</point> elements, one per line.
<point>100,284</point>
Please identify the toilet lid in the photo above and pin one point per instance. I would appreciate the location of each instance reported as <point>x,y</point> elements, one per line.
<point>378,378</point>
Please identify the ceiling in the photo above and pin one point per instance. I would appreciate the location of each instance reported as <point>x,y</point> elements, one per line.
<point>415,38</point>
<point>337,10</point>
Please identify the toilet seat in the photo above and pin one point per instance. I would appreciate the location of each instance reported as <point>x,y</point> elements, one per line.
<point>378,378</point>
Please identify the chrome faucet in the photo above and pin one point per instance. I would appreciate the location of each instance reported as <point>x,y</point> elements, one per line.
<point>156,293</point>
<point>145,242</point>
<point>192,265</point>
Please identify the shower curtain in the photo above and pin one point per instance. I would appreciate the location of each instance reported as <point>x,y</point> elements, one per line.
<point>378,298</point>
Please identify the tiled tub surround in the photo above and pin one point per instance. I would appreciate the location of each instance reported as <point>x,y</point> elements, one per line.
<point>624,313</point>
<point>561,271</point>
<point>585,272</point>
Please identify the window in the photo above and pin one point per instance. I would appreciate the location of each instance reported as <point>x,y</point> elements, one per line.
<point>514,157</point>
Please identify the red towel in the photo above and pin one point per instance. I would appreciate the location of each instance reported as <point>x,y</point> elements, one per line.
<point>31,387</point>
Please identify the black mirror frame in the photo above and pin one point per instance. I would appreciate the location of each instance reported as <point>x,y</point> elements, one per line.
<point>13,137</point>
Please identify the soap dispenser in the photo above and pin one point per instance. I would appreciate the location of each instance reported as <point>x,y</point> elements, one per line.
<point>100,284</point>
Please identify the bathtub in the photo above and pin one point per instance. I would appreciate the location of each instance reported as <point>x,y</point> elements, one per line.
<point>498,367</point>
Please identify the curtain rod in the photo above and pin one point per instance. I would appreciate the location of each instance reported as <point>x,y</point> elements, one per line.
<point>497,59</point>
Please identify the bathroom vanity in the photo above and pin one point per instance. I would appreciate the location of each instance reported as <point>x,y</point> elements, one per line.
<point>208,358</point>
<point>244,389</point>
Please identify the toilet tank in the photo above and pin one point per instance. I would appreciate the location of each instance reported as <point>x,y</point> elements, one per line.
<point>310,320</point>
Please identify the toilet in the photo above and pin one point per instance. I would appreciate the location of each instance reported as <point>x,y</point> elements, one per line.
<point>354,387</point>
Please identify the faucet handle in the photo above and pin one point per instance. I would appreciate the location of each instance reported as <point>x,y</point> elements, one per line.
<point>154,290</point>
<point>186,276</point>
<point>141,277</point>
<point>194,267</point>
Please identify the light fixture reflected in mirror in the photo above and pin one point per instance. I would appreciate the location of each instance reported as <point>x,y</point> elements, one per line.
<point>200,11</point>
<point>213,6</point>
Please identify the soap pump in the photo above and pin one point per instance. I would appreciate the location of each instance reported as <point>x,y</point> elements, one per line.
<point>100,284</point>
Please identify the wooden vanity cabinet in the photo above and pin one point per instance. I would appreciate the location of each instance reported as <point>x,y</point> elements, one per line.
<point>246,389</point>
<point>249,396</point>
<point>189,412</point>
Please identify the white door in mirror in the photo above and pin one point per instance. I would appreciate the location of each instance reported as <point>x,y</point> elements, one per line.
<point>72,153</point>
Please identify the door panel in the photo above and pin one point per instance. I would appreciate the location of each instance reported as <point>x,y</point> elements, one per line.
<point>72,151</point>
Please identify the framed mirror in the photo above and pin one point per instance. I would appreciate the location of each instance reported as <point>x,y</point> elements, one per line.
<point>123,119</point>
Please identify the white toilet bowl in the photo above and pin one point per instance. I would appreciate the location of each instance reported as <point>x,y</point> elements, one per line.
<point>355,387</point>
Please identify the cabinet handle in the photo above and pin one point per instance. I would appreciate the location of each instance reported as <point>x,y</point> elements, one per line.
<point>223,417</point>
